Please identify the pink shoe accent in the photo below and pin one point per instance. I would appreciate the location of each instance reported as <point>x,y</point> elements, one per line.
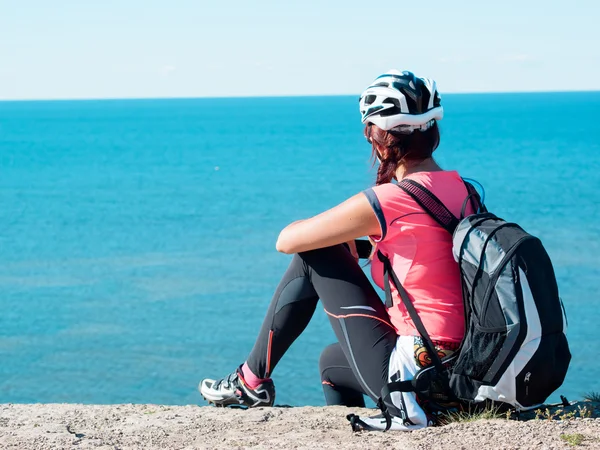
<point>252,381</point>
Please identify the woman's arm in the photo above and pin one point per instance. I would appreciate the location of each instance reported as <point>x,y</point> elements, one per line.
<point>349,220</point>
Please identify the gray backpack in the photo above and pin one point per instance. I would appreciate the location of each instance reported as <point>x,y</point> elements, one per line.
<point>515,349</point>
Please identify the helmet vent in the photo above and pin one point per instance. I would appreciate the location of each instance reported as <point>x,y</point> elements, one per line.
<point>391,111</point>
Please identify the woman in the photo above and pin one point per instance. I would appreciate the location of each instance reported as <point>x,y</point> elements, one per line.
<point>375,344</point>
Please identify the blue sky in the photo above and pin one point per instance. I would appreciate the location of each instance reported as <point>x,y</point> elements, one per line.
<point>196,48</point>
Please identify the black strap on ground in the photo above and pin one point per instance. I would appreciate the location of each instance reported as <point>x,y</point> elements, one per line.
<point>388,272</point>
<point>386,414</point>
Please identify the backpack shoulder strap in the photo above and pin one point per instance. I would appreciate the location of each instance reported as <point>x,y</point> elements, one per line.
<point>388,272</point>
<point>430,204</point>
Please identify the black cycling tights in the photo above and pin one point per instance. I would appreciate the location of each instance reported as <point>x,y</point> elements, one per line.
<point>358,363</point>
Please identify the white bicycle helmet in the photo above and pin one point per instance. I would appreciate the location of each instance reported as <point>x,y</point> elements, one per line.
<point>401,101</point>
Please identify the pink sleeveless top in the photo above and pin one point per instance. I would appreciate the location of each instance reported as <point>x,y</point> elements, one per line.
<point>420,251</point>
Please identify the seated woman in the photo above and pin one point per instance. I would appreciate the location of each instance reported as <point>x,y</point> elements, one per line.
<point>375,344</point>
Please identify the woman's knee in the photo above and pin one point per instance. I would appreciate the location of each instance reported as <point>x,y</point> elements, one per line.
<point>327,357</point>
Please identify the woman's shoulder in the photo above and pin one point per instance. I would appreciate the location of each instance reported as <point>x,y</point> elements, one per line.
<point>447,185</point>
<point>389,199</point>
<point>385,193</point>
<point>385,188</point>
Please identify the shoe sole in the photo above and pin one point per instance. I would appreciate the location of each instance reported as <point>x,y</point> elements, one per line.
<point>218,402</point>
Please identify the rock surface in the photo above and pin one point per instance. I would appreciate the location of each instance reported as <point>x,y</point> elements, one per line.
<point>54,426</point>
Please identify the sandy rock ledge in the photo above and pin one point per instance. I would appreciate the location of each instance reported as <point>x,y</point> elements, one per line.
<point>58,426</point>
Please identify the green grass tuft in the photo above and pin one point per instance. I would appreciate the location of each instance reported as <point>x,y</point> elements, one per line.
<point>572,439</point>
<point>490,412</point>
<point>592,396</point>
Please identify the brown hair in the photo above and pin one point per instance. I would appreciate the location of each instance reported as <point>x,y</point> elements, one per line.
<point>405,149</point>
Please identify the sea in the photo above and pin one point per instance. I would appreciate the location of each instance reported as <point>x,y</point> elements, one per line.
<point>137,237</point>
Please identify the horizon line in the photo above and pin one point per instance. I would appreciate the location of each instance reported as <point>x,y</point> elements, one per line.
<point>253,96</point>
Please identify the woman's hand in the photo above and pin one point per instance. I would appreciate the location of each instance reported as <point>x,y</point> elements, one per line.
<point>365,248</point>
<point>345,222</point>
